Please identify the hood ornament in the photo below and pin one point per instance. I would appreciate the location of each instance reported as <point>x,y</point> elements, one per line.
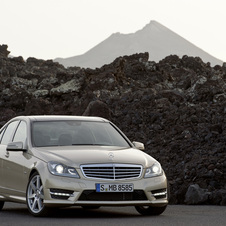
<point>111,155</point>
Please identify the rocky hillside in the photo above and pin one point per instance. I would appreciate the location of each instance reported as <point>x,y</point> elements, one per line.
<point>176,107</point>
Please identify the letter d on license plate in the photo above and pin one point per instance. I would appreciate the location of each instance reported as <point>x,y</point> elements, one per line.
<point>114,187</point>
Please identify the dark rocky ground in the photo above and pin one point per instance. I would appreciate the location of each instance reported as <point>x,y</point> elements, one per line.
<point>176,107</point>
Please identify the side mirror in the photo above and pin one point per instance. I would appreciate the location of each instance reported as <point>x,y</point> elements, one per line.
<point>138,145</point>
<point>15,146</point>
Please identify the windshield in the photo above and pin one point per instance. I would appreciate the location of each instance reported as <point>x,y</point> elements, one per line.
<point>68,133</point>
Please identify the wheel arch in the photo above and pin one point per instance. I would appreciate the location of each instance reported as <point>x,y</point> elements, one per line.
<point>32,172</point>
<point>37,167</point>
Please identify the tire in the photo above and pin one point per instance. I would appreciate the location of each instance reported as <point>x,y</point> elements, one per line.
<point>35,196</point>
<point>150,210</point>
<point>1,204</point>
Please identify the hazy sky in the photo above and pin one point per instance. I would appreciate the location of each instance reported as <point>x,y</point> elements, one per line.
<point>47,29</point>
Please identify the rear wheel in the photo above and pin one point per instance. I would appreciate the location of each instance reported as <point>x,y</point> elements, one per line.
<point>150,210</point>
<point>35,196</point>
<point>1,204</point>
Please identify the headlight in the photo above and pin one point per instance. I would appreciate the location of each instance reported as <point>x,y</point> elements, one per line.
<point>60,169</point>
<point>154,171</point>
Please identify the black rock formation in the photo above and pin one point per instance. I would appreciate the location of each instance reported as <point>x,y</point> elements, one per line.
<point>176,107</point>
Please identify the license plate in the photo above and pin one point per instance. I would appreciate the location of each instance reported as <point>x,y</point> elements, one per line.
<point>114,187</point>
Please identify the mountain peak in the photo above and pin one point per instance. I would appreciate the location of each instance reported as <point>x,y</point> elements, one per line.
<point>154,26</point>
<point>153,23</point>
<point>154,38</point>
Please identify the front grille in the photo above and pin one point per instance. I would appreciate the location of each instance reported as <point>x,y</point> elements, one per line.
<point>92,195</point>
<point>112,171</point>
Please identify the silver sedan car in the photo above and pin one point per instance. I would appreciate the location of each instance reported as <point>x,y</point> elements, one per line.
<point>60,161</point>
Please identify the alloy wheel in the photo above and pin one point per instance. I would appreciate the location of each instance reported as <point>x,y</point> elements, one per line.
<point>35,195</point>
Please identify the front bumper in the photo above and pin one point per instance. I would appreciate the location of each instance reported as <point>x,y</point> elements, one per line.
<point>63,191</point>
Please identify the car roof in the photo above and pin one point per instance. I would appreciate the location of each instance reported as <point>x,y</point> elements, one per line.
<point>60,117</point>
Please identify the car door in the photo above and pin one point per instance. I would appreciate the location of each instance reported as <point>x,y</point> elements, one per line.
<point>15,176</point>
<point>6,136</point>
<point>2,153</point>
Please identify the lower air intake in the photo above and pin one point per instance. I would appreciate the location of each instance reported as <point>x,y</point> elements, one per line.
<point>92,195</point>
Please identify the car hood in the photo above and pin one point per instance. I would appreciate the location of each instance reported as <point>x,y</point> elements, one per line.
<point>78,155</point>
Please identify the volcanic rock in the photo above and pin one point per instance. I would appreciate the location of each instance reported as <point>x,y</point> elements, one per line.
<point>176,107</point>
<point>196,195</point>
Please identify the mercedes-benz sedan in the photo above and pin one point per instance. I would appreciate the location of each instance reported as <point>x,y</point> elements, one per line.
<point>60,161</point>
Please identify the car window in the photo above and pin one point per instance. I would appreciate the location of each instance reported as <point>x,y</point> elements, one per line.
<point>21,132</point>
<point>8,132</point>
<point>1,134</point>
<point>67,133</point>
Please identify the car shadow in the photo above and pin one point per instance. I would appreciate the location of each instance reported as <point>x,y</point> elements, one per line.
<point>73,212</point>
<point>103,212</point>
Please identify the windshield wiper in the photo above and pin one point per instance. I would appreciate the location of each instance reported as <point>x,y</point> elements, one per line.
<point>94,144</point>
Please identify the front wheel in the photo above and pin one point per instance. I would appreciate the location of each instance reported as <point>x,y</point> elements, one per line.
<point>150,210</point>
<point>35,196</point>
<point>1,204</point>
